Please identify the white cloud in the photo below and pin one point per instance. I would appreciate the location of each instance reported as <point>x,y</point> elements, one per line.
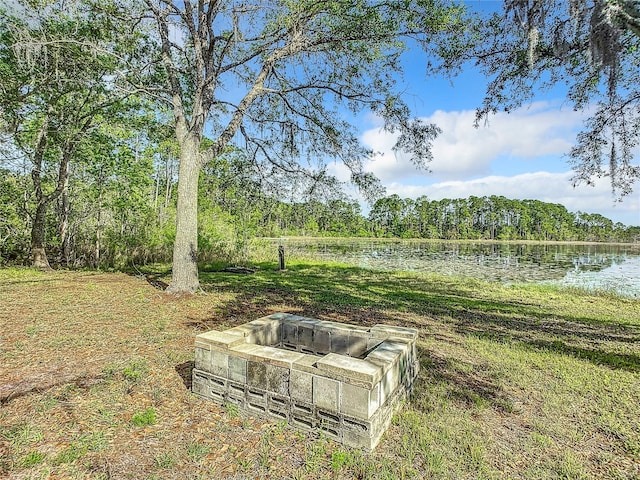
<point>544,186</point>
<point>463,151</point>
<point>464,162</point>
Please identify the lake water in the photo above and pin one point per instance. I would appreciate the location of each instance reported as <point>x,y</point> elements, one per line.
<point>591,266</point>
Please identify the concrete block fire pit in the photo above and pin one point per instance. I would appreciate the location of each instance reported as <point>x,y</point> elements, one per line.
<point>343,380</point>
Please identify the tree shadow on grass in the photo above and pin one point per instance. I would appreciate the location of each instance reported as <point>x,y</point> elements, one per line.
<point>469,385</point>
<point>354,295</point>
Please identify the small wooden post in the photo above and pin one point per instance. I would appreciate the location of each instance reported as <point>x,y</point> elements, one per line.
<point>281,256</point>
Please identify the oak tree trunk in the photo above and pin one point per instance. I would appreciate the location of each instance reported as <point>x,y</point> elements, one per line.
<point>63,227</point>
<point>38,238</point>
<point>184,277</point>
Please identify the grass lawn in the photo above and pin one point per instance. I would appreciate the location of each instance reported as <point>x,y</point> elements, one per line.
<point>522,382</point>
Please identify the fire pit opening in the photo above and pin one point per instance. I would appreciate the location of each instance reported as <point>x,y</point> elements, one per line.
<point>343,380</point>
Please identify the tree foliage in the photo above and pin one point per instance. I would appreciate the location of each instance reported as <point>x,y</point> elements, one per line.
<point>592,46</point>
<point>60,69</point>
<point>280,77</point>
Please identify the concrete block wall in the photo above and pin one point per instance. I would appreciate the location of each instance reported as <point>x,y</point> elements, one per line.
<point>343,380</point>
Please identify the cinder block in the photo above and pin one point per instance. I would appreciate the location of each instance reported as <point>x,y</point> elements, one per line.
<point>218,384</point>
<point>321,341</point>
<point>219,364</point>
<point>353,369</point>
<point>271,355</point>
<point>220,340</point>
<point>389,384</point>
<point>306,363</point>
<point>358,402</point>
<point>383,356</point>
<point>301,386</point>
<point>219,398</point>
<point>357,440</point>
<point>238,369</point>
<point>329,423</point>
<point>235,401</point>
<point>349,395</point>
<point>361,428</point>
<point>256,396</point>
<point>305,338</point>
<point>278,407</point>
<point>357,346</point>
<point>269,332</point>
<point>387,331</point>
<point>278,400</point>
<point>236,390</point>
<point>305,422</point>
<point>326,393</point>
<point>257,375</point>
<point>289,335</point>
<point>200,384</point>
<point>278,379</point>
<point>339,343</point>
<point>203,359</point>
<point>256,408</point>
<point>303,409</point>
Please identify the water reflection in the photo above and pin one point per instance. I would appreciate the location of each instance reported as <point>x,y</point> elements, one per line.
<point>611,267</point>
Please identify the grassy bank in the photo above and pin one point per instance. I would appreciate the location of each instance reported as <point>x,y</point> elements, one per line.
<point>516,382</point>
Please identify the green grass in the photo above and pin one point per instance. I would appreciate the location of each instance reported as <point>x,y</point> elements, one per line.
<point>520,381</point>
<point>145,418</point>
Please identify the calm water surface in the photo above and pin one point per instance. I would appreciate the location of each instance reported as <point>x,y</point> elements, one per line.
<point>593,266</point>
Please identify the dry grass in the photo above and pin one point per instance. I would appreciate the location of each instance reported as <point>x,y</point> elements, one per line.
<point>516,382</point>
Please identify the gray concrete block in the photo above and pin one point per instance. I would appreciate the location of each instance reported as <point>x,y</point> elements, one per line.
<point>278,407</point>
<point>388,331</point>
<point>348,398</point>
<point>289,334</point>
<point>339,343</point>
<point>357,346</point>
<point>389,384</point>
<point>372,343</point>
<point>326,393</point>
<point>220,340</point>
<point>303,409</point>
<point>329,424</point>
<point>278,379</point>
<point>200,384</point>
<point>219,364</point>
<point>358,440</point>
<point>269,332</point>
<point>362,428</point>
<point>256,396</point>
<point>321,341</point>
<point>239,402</point>
<point>352,368</point>
<point>203,359</point>
<point>219,398</point>
<point>358,402</point>
<point>238,369</point>
<point>256,408</point>
<point>301,386</point>
<point>304,422</point>
<point>236,390</point>
<point>257,375</point>
<point>218,384</point>
<point>305,338</point>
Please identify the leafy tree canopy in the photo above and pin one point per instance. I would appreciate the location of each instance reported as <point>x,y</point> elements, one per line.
<point>592,46</point>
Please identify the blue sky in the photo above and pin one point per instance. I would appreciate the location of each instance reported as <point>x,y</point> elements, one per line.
<point>521,155</point>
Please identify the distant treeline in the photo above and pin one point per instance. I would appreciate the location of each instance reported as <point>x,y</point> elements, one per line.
<point>118,210</point>
<point>473,218</point>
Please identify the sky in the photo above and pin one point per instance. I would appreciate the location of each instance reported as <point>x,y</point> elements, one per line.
<point>521,155</point>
